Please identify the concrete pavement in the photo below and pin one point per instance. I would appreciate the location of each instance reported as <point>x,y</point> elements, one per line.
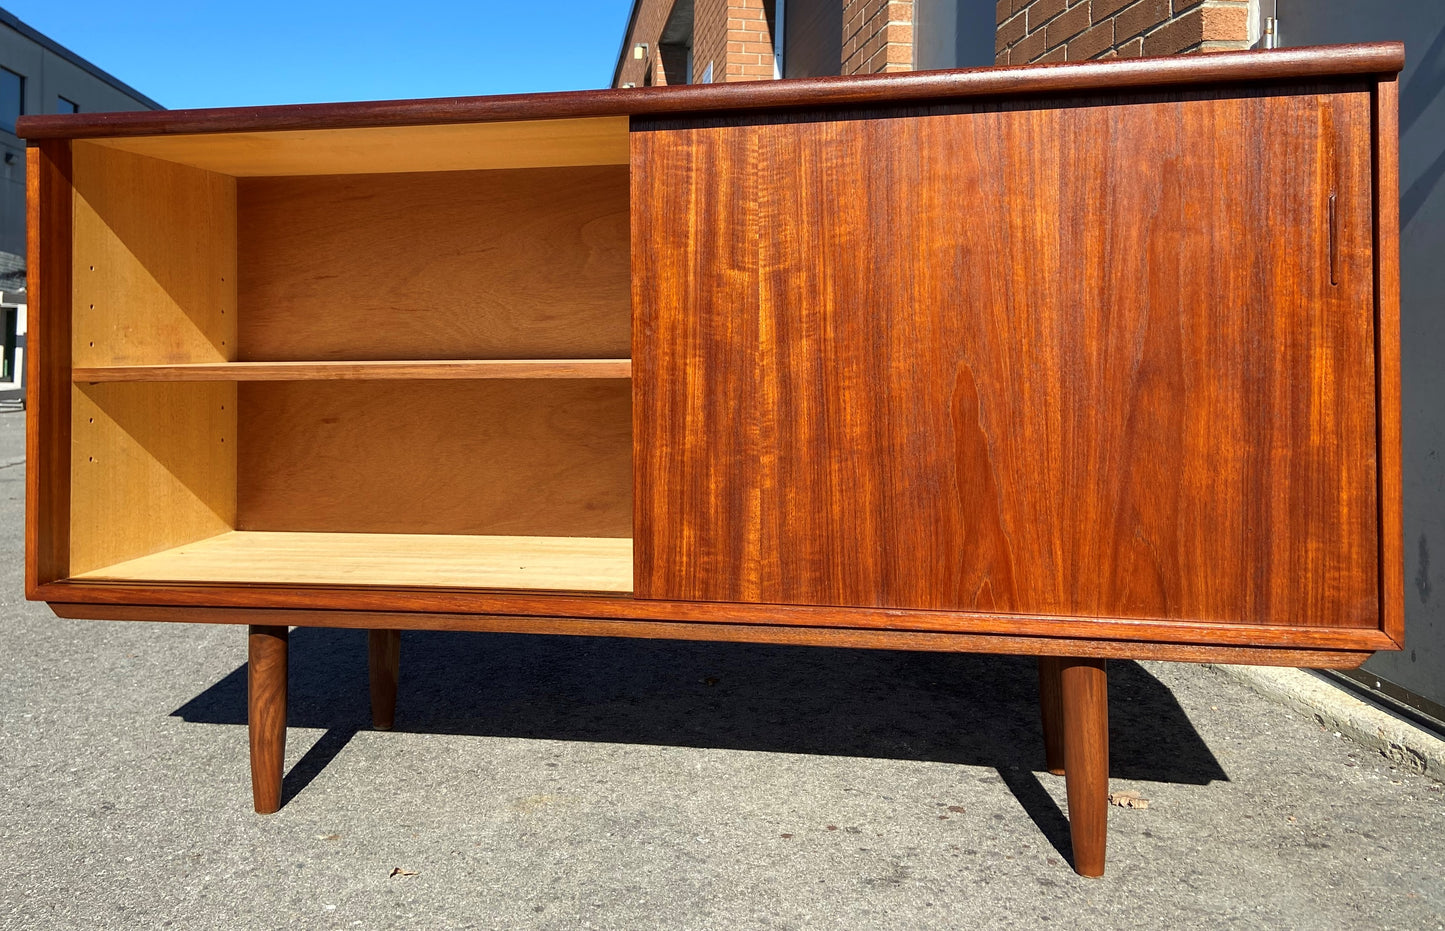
<point>579,783</point>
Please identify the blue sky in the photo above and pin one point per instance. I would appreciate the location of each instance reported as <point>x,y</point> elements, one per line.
<point>194,53</point>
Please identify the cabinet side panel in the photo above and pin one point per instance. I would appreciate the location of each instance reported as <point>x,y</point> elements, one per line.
<point>507,264</point>
<point>1387,298</point>
<point>1114,358</point>
<point>153,280</point>
<point>47,419</point>
<point>527,457</point>
<point>153,465</point>
<point>155,261</point>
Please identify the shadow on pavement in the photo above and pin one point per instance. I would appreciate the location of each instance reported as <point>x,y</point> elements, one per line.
<point>937,707</point>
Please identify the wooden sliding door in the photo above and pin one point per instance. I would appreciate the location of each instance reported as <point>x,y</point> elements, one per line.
<point>1076,357</point>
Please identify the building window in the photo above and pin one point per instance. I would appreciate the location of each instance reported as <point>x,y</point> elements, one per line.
<point>12,99</point>
<point>66,105</point>
<point>955,34</point>
<point>813,38</point>
<point>770,16</point>
<point>674,45</point>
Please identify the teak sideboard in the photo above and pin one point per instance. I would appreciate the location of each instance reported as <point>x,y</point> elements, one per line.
<point>1079,361</point>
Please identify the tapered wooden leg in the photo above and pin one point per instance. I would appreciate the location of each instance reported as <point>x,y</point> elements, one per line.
<point>266,679</point>
<point>1086,760</point>
<point>1051,711</point>
<point>384,649</point>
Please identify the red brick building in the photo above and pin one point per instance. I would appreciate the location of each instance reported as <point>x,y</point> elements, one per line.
<point>702,41</point>
<point>1057,30</point>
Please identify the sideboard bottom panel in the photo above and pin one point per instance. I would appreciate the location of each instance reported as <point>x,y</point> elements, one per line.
<point>733,633</point>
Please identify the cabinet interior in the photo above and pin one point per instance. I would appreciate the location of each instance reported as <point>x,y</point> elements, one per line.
<point>395,357</point>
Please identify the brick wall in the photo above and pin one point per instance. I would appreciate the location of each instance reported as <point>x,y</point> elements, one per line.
<point>1074,30</point>
<point>651,17</point>
<point>749,42</point>
<point>878,35</point>
<point>710,38</point>
<point>732,35</point>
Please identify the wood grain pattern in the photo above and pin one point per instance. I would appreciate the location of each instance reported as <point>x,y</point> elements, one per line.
<point>48,220</point>
<point>1039,632</point>
<point>524,457</point>
<point>1090,403</point>
<point>383,652</point>
<point>451,370</point>
<point>153,466</point>
<point>727,633</point>
<point>414,560</point>
<point>622,607</point>
<point>1387,343</point>
<point>454,147</point>
<point>1085,705</point>
<point>154,261</point>
<point>266,669</point>
<point>446,265</point>
<point>853,90</point>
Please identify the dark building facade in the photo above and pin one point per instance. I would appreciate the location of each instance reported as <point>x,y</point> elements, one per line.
<point>37,75</point>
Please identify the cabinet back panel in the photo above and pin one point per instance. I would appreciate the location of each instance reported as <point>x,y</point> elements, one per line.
<point>526,457</point>
<point>154,261</point>
<point>441,265</point>
<point>152,466</point>
<point>1086,360</point>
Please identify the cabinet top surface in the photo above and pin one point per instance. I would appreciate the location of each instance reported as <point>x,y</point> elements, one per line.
<point>1383,58</point>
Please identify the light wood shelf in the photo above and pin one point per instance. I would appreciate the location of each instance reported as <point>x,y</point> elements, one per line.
<point>581,564</point>
<point>450,369</point>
